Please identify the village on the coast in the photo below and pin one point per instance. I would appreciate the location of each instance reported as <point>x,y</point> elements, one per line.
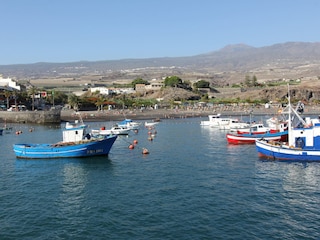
<point>278,138</point>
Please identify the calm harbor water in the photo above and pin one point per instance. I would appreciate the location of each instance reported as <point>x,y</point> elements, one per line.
<point>192,185</point>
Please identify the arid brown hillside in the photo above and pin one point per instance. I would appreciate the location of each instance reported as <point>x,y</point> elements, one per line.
<point>308,91</point>
<point>173,94</point>
<point>292,60</point>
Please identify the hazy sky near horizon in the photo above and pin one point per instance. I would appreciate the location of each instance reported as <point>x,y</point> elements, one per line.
<point>92,30</point>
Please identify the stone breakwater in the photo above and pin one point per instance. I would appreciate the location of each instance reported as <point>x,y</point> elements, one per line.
<point>57,116</point>
<point>38,117</point>
<point>118,115</point>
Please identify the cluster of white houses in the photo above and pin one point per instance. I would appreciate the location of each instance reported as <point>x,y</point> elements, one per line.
<point>153,85</point>
<point>8,84</point>
<point>141,88</point>
<point>11,85</point>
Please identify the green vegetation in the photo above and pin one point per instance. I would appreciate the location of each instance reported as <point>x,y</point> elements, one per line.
<point>251,81</point>
<point>202,84</point>
<point>172,81</point>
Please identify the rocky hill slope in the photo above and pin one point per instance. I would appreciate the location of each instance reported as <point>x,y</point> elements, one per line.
<point>308,91</point>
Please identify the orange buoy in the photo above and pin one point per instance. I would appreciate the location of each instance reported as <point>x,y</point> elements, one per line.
<point>131,146</point>
<point>135,141</point>
<point>103,128</point>
<point>145,151</point>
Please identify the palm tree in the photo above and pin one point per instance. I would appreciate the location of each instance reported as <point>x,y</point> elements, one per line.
<point>32,92</point>
<point>7,95</point>
<point>73,101</point>
<point>15,94</point>
<point>100,102</point>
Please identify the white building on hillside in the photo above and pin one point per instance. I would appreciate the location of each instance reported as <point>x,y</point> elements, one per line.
<point>101,90</point>
<point>8,83</point>
<point>154,86</point>
<point>123,90</point>
<point>109,91</point>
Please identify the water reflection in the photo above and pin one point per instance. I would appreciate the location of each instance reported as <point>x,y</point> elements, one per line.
<point>295,184</point>
<point>78,176</point>
<point>74,180</point>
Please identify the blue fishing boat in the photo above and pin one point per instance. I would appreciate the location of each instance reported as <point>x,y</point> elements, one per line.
<point>303,139</point>
<point>76,143</point>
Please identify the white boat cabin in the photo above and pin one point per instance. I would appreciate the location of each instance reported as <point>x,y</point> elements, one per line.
<point>73,134</point>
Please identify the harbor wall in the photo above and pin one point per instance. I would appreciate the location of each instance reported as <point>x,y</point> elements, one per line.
<point>38,117</point>
<point>57,116</point>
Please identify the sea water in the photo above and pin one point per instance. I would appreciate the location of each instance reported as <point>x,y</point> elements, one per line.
<point>192,185</point>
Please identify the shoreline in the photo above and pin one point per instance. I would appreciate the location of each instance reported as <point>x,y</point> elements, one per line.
<point>43,117</point>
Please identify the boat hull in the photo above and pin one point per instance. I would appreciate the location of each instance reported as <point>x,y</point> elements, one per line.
<point>88,148</point>
<point>150,124</point>
<point>283,152</point>
<point>251,138</point>
<point>111,132</point>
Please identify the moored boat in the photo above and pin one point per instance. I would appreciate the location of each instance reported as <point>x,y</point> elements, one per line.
<point>150,124</point>
<point>215,120</point>
<point>234,124</point>
<point>303,140</point>
<point>248,138</point>
<point>129,124</point>
<point>256,128</point>
<point>115,130</point>
<point>260,128</point>
<point>76,143</point>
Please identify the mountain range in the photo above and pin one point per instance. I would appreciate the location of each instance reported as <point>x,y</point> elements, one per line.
<point>291,60</point>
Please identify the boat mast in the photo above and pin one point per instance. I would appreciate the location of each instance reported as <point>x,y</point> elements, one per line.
<point>290,137</point>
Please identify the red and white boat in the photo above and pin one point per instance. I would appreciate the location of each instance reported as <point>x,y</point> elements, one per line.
<point>249,138</point>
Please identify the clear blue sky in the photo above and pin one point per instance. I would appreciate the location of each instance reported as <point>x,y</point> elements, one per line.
<point>75,30</point>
